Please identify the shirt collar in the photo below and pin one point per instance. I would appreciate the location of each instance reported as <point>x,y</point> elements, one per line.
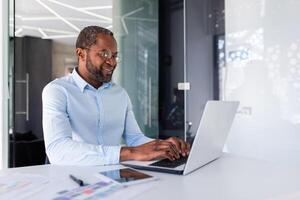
<point>81,83</point>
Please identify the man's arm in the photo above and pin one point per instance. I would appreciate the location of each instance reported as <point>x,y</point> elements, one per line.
<point>60,147</point>
<point>143,148</point>
<point>132,133</point>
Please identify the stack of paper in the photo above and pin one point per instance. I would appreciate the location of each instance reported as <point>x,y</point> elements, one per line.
<point>19,186</point>
<point>103,188</point>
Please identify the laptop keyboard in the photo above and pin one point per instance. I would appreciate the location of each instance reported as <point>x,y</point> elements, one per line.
<point>170,163</point>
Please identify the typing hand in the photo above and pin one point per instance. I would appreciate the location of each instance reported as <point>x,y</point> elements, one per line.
<point>181,146</point>
<point>157,149</point>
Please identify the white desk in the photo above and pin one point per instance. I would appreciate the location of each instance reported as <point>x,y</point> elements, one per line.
<point>230,177</point>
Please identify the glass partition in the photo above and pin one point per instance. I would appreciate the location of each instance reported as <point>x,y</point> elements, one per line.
<point>262,72</point>
<point>10,72</point>
<point>11,66</point>
<point>135,24</point>
<point>5,5</point>
<point>150,37</point>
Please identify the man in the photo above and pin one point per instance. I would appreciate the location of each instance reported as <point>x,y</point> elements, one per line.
<point>85,115</point>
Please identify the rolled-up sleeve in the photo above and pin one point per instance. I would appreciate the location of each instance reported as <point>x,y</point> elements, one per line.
<point>60,147</point>
<point>132,134</point>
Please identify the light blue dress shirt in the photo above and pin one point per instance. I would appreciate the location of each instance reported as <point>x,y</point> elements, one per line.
<point>83,125</point>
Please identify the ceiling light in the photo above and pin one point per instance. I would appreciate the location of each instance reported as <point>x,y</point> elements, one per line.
<point>60,36</point>
<point>44,18</point>
<point>128,14</point>
<point>97,8</point>
<point>18,32</point>
<point>42,32</point>
<point>57,15</point>
<point>46,29</point>
<point>81,10</point>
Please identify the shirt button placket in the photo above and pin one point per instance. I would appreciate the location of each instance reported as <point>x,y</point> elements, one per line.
<point>100,119</point>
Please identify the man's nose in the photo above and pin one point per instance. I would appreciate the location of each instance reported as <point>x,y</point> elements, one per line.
<point>111,61</point>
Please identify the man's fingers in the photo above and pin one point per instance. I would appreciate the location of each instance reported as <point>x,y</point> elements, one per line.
<point>170,148</point>
<point>182,146</point>
<point>163,154</point>
<point>189,148</point>
<point>167,146</point>
<point>175,142</point>
<point>185,148</point>
<point>174,148</point>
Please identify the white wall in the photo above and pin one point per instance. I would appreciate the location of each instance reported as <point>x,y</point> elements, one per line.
<point>3,82</point>
<point>263,72</point>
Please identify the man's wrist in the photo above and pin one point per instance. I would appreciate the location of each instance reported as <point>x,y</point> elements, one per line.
<point>126,153</point>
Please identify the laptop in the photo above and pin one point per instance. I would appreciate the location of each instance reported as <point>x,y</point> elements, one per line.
<point>208,143</point>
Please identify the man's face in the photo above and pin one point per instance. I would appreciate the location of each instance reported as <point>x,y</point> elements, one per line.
<point>100,67</point>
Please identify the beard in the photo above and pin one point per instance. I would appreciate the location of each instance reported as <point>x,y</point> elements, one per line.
<point>99,73</point>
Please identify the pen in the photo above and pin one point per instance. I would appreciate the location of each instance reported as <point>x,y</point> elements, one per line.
<point>77,180</point>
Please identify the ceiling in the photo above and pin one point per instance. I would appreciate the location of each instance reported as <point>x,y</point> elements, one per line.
<point>60,20</point>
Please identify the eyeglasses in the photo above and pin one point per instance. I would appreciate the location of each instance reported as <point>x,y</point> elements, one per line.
<point>107,54</point>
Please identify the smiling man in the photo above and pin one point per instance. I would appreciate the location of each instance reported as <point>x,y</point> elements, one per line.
<point>85,114</point>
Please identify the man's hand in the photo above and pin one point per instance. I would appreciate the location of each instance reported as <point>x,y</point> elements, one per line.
<point>181,146</point>
<point>157,149</point>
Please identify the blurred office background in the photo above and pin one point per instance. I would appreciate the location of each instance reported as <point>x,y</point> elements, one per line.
<point>175,55</point>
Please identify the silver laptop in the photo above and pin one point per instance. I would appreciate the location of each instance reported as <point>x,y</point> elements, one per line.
<point>208,142</point>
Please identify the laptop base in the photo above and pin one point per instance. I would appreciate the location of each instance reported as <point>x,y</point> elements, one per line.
<point>154,169</point>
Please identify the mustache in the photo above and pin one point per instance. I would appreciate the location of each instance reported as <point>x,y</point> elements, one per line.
<point>107,64</point>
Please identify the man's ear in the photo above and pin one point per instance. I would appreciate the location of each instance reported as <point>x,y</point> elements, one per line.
<point>80,54</point>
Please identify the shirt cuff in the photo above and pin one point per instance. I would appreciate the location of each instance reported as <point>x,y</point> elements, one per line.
<point>112,153</point>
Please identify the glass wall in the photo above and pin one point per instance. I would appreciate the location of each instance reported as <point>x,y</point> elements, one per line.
<point>5,5</point>
<point>135,24</point>
<point>263,73</point>
<point>150,36</point>
<point>11,66</point>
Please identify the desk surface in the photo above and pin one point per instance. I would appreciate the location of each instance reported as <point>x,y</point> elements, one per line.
<point>230,177</point>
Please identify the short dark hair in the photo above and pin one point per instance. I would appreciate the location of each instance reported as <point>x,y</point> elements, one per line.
<point>88,36</point>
